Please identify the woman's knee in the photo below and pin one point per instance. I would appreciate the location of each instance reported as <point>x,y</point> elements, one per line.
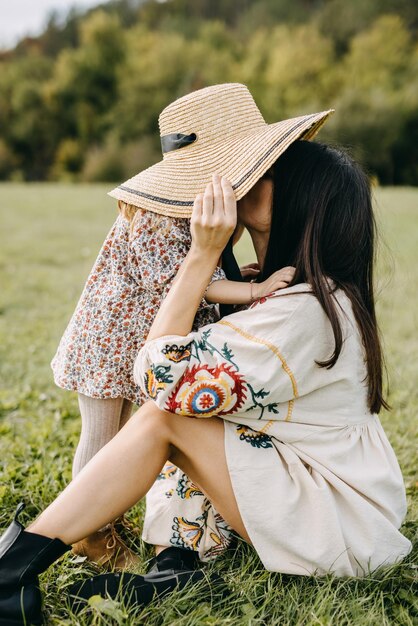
<point>153,419</point>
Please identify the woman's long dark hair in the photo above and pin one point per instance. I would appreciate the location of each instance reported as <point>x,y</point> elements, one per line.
<point>323,224</point>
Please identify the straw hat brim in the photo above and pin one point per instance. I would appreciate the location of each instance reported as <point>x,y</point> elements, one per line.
<point>170,186</point>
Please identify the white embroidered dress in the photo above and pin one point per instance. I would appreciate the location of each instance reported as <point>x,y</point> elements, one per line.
<point>316,480</point>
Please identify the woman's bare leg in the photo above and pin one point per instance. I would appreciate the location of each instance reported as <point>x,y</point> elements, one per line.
<point>123,471</point>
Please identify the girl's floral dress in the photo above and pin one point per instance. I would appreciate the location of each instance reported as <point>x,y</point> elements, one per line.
<point>132,274</point>
<point>315,478</point>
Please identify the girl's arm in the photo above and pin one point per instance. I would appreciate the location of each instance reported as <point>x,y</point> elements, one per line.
<point>213,221</point>
<point>232,292</point>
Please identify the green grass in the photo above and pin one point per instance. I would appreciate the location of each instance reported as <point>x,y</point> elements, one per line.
<point>50,235</point>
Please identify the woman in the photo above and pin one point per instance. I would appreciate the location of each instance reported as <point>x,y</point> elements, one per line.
<point>291,452</point>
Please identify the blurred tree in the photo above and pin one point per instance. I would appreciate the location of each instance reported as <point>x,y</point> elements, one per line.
<point>23,119</point>
<point>153,13</point>
<point>369,125</point>
<point>163,66</point>
<point>296,70</point>
<point>405,151</point>
<point>84,86</point>
<point>74,99</point>
<point>343,20</point>
<point>116,162</point>
<point>379,56</point>
<point>8,161</point>
<point>266,12</point>
<point>376,111</point>
<point>69,160</point>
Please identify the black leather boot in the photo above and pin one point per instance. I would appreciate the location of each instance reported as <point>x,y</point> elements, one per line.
<point>171,570</point>
<point>173,560</point>
<point>23,556</point>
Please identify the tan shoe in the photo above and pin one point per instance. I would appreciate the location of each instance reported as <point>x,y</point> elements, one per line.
<point>107,549</point>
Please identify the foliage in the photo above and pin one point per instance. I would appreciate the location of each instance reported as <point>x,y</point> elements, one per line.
<point>71,99</point>
<point>119,160</point>
<point>50,237</point>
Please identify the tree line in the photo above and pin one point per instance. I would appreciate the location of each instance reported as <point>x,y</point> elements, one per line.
<point>81,101</point>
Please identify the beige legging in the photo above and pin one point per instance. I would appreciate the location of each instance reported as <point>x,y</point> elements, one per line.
<point>100,422</point>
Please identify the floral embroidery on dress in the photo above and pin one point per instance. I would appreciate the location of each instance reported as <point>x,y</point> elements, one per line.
<point>178,353</point>
<point>221,538</point>
<point>187,534</point>
<point>156,379</point>
<point>167,472</point>
<point>204,391</point>
<point>255,438</point>
<point>186,488</point>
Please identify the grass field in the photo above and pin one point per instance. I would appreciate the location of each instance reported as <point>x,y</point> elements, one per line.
<point>50,235</point>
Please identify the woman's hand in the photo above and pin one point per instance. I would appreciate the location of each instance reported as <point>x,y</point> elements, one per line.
<point>214,217</point>
<point>278,280</point>
<point>213,221</point>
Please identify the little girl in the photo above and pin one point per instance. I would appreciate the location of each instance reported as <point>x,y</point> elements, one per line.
<point>132,274</point>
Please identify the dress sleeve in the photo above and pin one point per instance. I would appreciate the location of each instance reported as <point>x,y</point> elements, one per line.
<point>158,245</point>
<point>219,370</point>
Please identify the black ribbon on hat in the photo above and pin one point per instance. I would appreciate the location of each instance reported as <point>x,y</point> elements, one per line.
<point>232,272</point>
<point>176,141</point>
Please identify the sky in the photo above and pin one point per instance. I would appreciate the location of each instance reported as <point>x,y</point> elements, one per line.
<point>22,17</point>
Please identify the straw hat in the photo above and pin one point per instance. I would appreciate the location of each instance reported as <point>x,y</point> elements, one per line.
<point>217,129</point>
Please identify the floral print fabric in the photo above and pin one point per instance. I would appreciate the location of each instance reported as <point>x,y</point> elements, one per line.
<point>132,274</point>
<point>179,514</point>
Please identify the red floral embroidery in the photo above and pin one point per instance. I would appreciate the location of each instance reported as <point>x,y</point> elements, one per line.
<point>205,391</point>
<point>263,299</point>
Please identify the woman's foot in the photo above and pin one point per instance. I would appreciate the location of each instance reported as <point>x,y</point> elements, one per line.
<point>172,569</point>
<point>107,549</point>
<point>173,560</point>
<point>23,556</point>
<point>139,591</point>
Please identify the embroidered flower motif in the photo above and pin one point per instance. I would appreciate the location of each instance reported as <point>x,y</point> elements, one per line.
<point>203,391</point>
<point>186,489</point>
<point>156,379</point>
<point>187,534</point>
<point>178,353</point>
<point>255,438</point>
<point>168,471</point>
<point>221,538</point>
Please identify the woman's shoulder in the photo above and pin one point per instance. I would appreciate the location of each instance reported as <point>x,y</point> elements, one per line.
<point>292,311</point>
<point>270,313</point>
<point>301,298</point>
<point>285,303</point>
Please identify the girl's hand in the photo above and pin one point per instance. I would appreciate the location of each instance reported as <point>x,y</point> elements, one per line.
<point>214,217</point>
<point>251,270</point>
<point>278,280</point>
